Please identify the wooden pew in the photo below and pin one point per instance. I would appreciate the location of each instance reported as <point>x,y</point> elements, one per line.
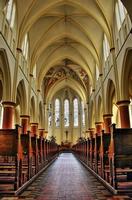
<point>103,156</point>
<point>120,158</point>
<point>40,152</point>
<point>10,160</point>
<point>34,158</point>
<point>97,153</point>
<point>88,151</point>
<point>26,158</point>
<point>92,150</point>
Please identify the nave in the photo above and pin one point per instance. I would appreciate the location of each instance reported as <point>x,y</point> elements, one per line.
<point>67,179</point>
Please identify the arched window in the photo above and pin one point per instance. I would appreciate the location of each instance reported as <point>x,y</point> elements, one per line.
<point>130,112</point>
<point>25,46</point>
<point>120,13</point>
<point>83,114</point>
<point>1,115</point>
<point>11,11</point>
<point>90,89</point>
<point>57,112</point>
<point>49,116</point>
<point>106,48</point>
<point>34,71</point>
<point>97,72</point>
<point>66,112</point>
<point>50,119</point>
<point>75,106</point>
<point>116,116</point>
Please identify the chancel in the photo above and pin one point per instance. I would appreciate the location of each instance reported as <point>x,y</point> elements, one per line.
<point>65,99</point>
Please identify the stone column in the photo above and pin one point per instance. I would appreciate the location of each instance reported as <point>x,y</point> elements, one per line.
<point>107,122</point>
<point>123,107</point>
<point>25,119</point>
<point>45,134</point>
<point>91,132</point>
<point>34,129</point>
<point>41,132</point>
<point>99,127</point>
<point>8,114</point>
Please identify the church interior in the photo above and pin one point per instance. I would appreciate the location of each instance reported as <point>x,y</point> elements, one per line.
<point>65,99</point>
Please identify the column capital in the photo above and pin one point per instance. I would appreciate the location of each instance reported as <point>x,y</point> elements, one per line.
<point>38,90</point>
<point>34,124</point>
<point>41,132</point>
<point>41,129</point>
<point>123,107</point>
<point>19,50</point>
<point>8,104</point>
<point>98,123</point>
<point>8,114</point>
<point>112,49</point>
<point>24,116</point>
<point>123,102</point>
<point>107,115</point>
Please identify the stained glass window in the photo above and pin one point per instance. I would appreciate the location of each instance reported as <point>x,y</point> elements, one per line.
<point>120,13</point>
<point>57,112</point>
<point>25,46</point>
<point>83,114</point>
<point>66,112</point>
<point>75,105</point>
<point>11,11</point>
<point>130,112</point>
<point>106,47</point>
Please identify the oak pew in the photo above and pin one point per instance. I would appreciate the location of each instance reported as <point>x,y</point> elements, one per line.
<point>40,153</point>
<point>120,158</point>
<point>26,157</point>
<point>10,160</point>
<point>104,159</point>
<point>34,157</point>
<point>92,155</point>
<point>85,151</point>
<point>97,153</point>
<point>88,151</point>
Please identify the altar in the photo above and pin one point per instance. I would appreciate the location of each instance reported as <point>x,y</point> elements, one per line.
<point>66,145</point>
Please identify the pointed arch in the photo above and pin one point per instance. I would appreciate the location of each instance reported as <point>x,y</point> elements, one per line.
<point>66,113</point>
<point>99,109</point>
<point>92,115</point>
<point>111,96</point>
<point>40,114</point>
<point>5,74</point>
<point>126,86</point>
<point>32,109</point>
<point>75,108</point>
<point>21,97</point>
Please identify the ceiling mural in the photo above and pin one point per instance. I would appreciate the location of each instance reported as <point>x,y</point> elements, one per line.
<point>65,71</point>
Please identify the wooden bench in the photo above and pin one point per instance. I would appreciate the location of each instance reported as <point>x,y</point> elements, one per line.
<point>10,160</point>
<point>34,157</point>
<point>26,158</point>
<point>120,158</point>
<point>104,160</point>
<point>88,151</point>
<point>92,149</point>
<point>97,153</point>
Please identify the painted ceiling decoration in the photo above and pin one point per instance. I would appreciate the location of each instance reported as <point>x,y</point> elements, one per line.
<point>65,36</point>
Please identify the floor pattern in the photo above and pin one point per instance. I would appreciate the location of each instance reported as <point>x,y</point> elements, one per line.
<point>66,179</point>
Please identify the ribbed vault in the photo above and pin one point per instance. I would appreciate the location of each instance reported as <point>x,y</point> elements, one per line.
<point>61,30</point>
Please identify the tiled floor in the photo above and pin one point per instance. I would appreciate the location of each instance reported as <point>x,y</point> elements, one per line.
<point>67,179</point>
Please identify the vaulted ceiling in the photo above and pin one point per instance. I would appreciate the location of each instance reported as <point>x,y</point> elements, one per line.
<point>65,34</point>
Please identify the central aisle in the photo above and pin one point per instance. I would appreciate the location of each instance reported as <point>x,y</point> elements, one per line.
<point>66,179</point>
